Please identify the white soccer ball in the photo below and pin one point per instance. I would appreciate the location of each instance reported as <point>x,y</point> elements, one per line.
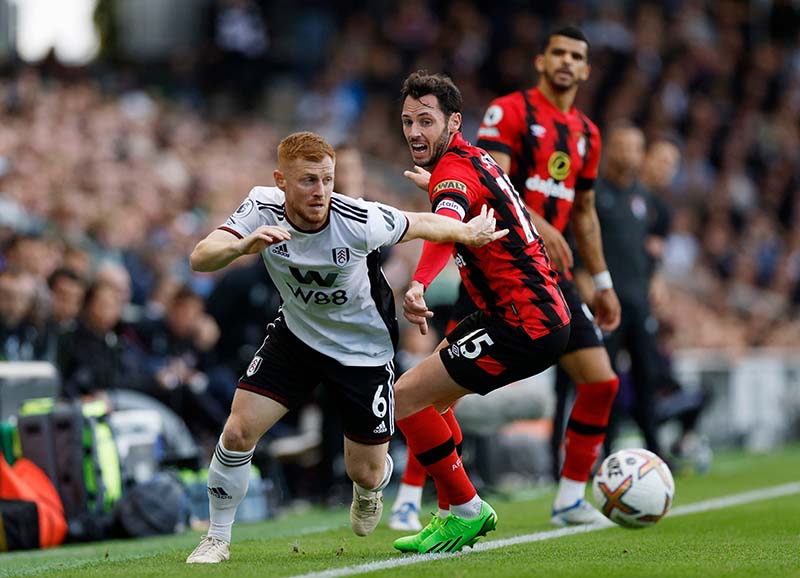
<point>633,488</point>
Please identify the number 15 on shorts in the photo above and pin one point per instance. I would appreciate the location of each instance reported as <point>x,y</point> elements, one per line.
<point>472,344</point>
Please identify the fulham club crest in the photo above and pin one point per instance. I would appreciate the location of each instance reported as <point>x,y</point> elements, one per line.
<point>341,256</point>
<point>254,365</point>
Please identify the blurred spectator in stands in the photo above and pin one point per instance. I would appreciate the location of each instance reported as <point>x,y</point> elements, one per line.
<point>21,339</point>
<point>243,302</point>
<point>91,355</point>
<point>175,352</point>
<point>351,176</point>
<point>32,254</point>
<point>661,163</point>
<point>67,291</point>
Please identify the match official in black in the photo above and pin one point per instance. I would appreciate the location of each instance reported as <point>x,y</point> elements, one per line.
<point>622,206</point>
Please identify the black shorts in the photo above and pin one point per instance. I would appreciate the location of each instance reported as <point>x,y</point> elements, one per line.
<point>287,370</point>
<point>484,354</point>
<point>584,332</point>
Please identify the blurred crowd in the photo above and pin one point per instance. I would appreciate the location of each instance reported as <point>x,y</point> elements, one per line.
<point>106,184</point>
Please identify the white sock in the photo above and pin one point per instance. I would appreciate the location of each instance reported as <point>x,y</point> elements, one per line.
<point>443,513</point>
<point>408,494</point>
<point>471,509</point>
<point>228,477</point>
<point>569,492</point>
<point>388,468</point>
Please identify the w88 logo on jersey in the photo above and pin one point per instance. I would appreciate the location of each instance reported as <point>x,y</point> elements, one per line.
<point>319,297</point>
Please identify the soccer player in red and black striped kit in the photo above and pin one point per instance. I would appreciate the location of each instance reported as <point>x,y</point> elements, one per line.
<point>521,326</point>
<point>551,152</point>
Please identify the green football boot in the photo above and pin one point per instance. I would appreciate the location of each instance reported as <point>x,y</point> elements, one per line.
<point>411,543</point>
<point>454,533</point>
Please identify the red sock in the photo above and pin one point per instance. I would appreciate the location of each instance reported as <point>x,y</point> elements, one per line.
<point>415,474</point>
<point>450,417</point>
<point>586,429</point>
<point>431,441</point>
<point>458,437</point>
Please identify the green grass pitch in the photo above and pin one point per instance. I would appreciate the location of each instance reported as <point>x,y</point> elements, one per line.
<point>758,538</point>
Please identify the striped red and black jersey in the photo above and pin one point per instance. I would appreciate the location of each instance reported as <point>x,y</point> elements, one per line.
<point>511,278</point>
<point>553,154</point>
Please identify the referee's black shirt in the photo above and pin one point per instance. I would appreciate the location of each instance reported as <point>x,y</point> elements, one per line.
<point>623,214</point>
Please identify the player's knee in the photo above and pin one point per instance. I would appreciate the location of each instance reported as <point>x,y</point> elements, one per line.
<point>402,399</point>
<point>237,436</point>
<point>366,474</point>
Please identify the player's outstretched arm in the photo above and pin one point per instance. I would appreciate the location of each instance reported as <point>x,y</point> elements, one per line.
<point>439,229</point>
<point>220,247</point>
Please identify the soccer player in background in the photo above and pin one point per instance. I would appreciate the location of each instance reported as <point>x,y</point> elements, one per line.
<point>521,326</point>
<point>551,150</point>
<point>336,326</point>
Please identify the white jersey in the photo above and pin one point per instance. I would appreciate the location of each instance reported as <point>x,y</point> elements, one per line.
<point>335,297</point>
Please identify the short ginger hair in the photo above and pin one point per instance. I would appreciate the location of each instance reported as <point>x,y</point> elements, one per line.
<point>304,145</point>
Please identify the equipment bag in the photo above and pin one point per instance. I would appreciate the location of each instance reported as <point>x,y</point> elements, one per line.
<point>25,482</point>
<point>74,446</point>
<point>19,525</point>
<point>158,506</point>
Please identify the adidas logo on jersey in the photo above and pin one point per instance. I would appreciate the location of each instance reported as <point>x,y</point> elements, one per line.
<point>219,493</point>
<point>381,428</point>
<point>281,250</point>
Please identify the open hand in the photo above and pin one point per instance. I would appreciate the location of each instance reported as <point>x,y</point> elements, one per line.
<point>482,229</point>
<point>419,177</point>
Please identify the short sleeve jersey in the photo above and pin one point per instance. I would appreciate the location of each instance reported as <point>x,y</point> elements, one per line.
<point>510,278</point>
<point>553,154</point>
<point>335,297</point>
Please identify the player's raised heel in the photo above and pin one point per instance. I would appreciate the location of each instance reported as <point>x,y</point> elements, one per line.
<point>579,513</point>
<point>365,512</point>
<point>210,550</point>
<point>454,533</point>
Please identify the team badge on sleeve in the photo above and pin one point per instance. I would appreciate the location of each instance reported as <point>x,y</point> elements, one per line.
<point>254,365</point>
<point>494,114</point>
<point>341,256</point>
<point>244,209</point>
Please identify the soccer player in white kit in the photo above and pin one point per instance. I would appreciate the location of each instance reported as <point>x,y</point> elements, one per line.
<point>336,327</point>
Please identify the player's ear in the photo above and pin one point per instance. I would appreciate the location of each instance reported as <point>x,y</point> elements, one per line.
<point>539,63</point>
<point>586,71</point>
<point>280,180</point>
<point>454,122</point>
